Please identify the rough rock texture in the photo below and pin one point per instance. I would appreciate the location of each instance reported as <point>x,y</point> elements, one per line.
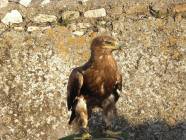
<point>70,15</point>
<point>3,3</point>
<point>25,3</point>
<point>36,58</point>
<point>43,18</point>
<point>95,13</point>
<point>45,2</point>
<point>12,17</point>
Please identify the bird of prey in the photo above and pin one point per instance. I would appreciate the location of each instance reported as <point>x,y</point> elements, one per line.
<point>97,83</point>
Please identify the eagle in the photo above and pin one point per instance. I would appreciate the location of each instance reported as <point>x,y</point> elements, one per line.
<point>97,83</point>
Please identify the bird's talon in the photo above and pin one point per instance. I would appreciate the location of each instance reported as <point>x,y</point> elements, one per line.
<point>86,136</point>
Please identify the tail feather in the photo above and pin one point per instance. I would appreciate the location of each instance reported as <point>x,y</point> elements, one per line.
<point>73,114</point>
<point>72,117</point>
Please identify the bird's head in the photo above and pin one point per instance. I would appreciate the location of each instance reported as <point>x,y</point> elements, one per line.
<point>104,44</point>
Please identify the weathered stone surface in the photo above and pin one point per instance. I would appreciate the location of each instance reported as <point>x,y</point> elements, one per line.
<point>12,17</point>
<point>183,25</point>
<point>78,33</point>
<point>33,28</point>
<point>36,59</point>
<point>70,15</point>
<point>3,3</point>
<point>116,10</point>
<point>101,29</point>
<point>36,28</point>
<point>45,2</point>
<point>117,26</point>
<point>82,1</point>
<point>137,9</point>
<point>83,25</point>
<point>72,26</point>
<point>25,3</point>
<point>43,18</point>
<point>95,13</point>
<point>14,1</point>
<point>159,9</point>
<point>179,8</point>
<point>19,28</point>
<point>160,6</point>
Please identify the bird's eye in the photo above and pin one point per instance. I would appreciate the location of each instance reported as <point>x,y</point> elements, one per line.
<point>108,42</point>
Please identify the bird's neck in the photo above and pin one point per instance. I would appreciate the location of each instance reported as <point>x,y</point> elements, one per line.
<point>102,58</point>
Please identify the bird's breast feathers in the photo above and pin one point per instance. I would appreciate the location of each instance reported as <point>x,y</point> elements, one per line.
<point>99,82</point>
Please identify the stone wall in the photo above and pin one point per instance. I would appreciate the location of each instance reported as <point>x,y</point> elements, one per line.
<point>41,41</point>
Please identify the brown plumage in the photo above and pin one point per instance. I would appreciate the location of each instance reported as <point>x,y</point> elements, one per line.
<point>95,84</point>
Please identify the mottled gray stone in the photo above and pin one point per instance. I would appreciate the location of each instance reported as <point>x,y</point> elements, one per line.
<point>12,17</point>
<point>78,33</point>
<point>3,3</point>
<point>43,18</point>
<point>70,15</point>
<point>45,2</point>
<point>25,3</point>
<point>95,13</point>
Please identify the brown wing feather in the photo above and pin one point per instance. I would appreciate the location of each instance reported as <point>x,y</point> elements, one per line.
<point>118,86</point>
<point>74,86</point>
<point>119,81</point>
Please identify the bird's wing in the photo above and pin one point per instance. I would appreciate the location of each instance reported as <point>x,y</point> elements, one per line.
<point>117,87</point>
<point>119,81</point>
<point>75,83</point>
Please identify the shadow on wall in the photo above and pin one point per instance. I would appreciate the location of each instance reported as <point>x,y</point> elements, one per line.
<point>158,130</point>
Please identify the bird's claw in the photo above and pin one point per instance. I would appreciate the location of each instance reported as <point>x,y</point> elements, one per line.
<point>85,135</point>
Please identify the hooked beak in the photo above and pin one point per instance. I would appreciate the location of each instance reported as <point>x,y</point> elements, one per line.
<point>119,46</point>
<point>115,46</point>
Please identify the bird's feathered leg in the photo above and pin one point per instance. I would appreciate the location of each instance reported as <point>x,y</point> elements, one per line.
<point>82,112</point>
<point>109,106</point>
<point>109,110</point>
